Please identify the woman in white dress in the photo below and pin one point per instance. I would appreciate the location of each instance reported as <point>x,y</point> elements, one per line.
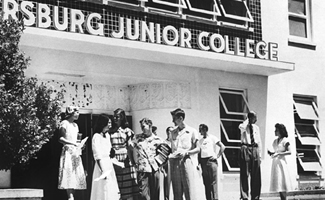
<point>280,177</point>
<point>71,172</point>
<point>104,183</point>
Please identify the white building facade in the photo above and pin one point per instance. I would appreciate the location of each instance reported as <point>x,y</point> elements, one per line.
<point>296,98</point>
<point>215,60</point>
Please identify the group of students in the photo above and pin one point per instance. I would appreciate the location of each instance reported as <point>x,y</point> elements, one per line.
<point>126,165</point>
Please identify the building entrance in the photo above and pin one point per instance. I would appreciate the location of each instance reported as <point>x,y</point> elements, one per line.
<point>42,172</point>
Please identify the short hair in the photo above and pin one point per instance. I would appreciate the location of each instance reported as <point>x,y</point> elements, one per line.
<point>101,122</point>
<point>154,128</point>
<point>147,121</point>
<point>124,122</point>
<point>178,113</point>
<point>204,126</point>
<point>251,114</point>
<point>282,129</point>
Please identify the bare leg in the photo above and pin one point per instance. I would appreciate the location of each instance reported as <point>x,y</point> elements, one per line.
<point>70,193</point>
<point>283,195</point>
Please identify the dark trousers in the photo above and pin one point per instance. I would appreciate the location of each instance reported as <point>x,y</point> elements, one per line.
<point>250,167</point>
<point>210,177</point>
<point>149,185</point>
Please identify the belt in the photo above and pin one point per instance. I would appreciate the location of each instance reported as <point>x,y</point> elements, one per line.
<point>210,159</point>
<point>206,158</point>
<point>249,145</point>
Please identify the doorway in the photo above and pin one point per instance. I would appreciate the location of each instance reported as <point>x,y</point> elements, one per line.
<point>43,172</point>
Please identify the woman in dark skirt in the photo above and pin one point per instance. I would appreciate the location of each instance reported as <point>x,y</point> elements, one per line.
<point>121,137</point>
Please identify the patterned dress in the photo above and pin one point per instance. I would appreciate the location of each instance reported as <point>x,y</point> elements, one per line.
<point>105,189</point>
<point>71,171</point>
<point>126,177</point>
<point>280,177</point>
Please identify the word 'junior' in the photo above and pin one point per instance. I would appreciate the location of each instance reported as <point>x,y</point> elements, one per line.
<point>74,20</point>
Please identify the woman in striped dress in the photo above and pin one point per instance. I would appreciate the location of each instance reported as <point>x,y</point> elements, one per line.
<point>121,137</point>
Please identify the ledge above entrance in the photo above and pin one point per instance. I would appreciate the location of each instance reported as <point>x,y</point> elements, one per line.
<point>157,53</point>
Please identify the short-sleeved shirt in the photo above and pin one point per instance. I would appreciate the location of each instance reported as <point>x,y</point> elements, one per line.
<point>245,134</point>
<point>182,140</point>
<point>208,146</point>
<point>145,152</point>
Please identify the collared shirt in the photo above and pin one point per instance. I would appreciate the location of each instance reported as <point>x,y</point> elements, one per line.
<point>183,140</point>
<point>246,134</point>
<point>144,152</point>
<point>208,146</point>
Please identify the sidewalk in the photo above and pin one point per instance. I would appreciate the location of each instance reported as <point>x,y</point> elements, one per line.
<point>228,188</point>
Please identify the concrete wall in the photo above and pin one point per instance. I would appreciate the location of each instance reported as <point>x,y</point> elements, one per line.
<point>5,181</point>
<point>205,101</point>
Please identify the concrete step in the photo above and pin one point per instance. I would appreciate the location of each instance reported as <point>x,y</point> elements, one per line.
<point>229,187</point>
<point>299,194</point>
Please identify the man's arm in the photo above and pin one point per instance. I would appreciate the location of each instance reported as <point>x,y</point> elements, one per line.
<point>259,142</point>
<point>196,148</point>
<point>134,153</point>
<point>195,143</point>
<point>222,148</point>
<point>243,125</point>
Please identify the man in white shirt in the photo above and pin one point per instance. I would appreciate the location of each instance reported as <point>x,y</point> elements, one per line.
<point>184,147</point>
<point>250,158</point>
<point>208,159</point>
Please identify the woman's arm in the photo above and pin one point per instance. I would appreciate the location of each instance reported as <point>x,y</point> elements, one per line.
<point>132,153</point>
<point>284,153</point>
<point>287,150</point>
<point>99,162</point>
<point>63,139</point>
<point>117,163</point>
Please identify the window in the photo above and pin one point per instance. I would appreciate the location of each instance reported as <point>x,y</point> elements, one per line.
<point>173,3</point>
<point>122,2</point>
<point>306,133</point>
<point>236,9</point>
<point>299,19</point>
<point>207,8</point>
<point>165,5</point>
<point>233,109</point>
<point>93,1</point>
